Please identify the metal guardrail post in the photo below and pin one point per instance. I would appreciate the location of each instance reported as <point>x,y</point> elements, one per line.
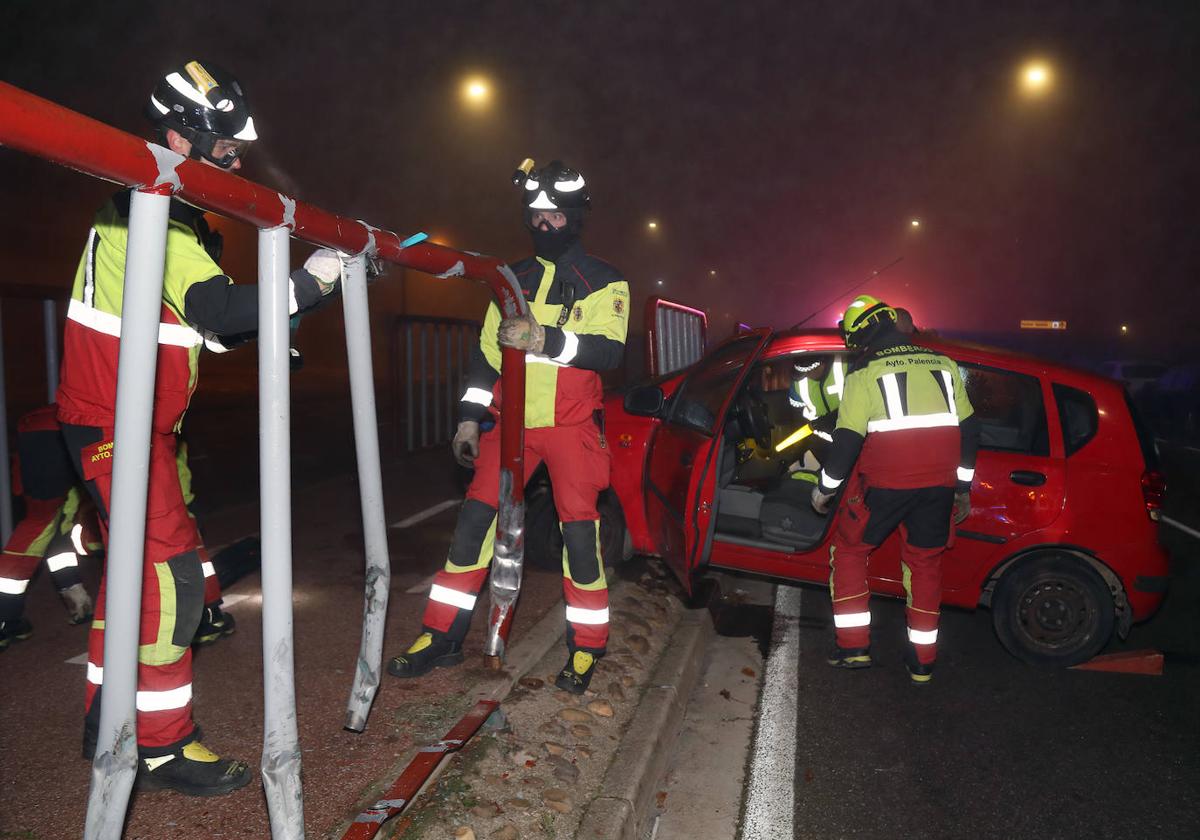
<point>114,766</point>
<point>50,327</point>
<point>424,374</point>
<point>6,517</point>
<point>281,741</point>
<point>410,431</point>
<point>370,483</point>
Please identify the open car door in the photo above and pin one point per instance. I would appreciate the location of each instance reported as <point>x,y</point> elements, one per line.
<point>686,454</point>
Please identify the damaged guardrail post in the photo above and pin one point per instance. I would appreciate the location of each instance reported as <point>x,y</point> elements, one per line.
<point>370,484</point>
<point>281,741</point>
<point>115,764</point>
<point>509,559</point>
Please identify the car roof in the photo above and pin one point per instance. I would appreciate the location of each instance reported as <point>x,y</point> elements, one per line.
<point>830,340</point>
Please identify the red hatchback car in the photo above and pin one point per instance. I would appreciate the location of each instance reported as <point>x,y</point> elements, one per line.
<point>1061,542</point>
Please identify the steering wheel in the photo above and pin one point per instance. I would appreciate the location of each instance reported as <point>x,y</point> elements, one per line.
<point>750,413</point>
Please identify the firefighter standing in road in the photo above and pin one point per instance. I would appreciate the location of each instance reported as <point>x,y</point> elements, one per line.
<point>906,420</point>
<point>200,112</point>
<point>579,309</point>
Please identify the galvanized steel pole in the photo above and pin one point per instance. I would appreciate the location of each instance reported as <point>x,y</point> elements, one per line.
<point>114,766</point>
<point>50,330</point>
<point>281,741</point>
<point>370,485</point>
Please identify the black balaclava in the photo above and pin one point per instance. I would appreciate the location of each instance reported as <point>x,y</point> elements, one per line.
<point>551,243</point>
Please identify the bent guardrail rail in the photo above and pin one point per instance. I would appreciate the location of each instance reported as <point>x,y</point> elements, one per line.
<point>43,129</point>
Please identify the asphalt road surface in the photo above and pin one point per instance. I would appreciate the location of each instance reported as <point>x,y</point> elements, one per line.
<point>994,748</point>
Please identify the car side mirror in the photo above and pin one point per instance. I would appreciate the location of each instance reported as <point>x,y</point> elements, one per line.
<point>644,401</point>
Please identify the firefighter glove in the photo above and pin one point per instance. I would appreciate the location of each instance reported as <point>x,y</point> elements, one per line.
<point>522,333</point>
<point>325,265</point>
<point>466,443</point>
<point>821,501</point>
<point>962,506</point>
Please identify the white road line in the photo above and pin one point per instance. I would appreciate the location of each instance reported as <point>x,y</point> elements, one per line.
<point>771,792</point>
<point>81,659</point>
<point>428,512</point>
<point>1166,520</point>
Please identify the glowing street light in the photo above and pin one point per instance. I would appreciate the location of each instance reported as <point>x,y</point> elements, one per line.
<point>915,223</point>
<point>1036,77</point>
<point>476,91</point>
<point>1124,329</point>
<point>652,225</point>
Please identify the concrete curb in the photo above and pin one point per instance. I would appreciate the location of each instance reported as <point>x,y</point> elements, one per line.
<point>640,761</point>
<point>523,655</point>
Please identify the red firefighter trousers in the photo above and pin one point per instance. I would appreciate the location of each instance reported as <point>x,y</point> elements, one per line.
<point>577,459</point>
<point>866,517</point>
<point>172,592</point>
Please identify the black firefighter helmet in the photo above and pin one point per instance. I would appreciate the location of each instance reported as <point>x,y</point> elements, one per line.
<point>204,103</point>
<point>555,187</point>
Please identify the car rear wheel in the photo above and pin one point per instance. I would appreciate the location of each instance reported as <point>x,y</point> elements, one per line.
<point>1054,610</point>
<point>543,539</point>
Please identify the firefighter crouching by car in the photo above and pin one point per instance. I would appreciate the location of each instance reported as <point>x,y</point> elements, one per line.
<point>200,112</point>
<point>579,309</point>
<point>906,420</point>
<point>816,390</point>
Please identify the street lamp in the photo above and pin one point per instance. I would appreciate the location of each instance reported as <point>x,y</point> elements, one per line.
<point>652,225</point>
<point>476,91</point>
<point>915,223</point>
<point>1124,329</point>
<point>1036,78</point>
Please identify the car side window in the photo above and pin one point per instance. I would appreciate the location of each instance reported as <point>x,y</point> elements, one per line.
<point>700,397</point>
<point>1078,415</point>
<point>1011,412</point>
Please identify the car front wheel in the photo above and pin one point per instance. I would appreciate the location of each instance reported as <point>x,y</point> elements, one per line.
<point>1054,610</point>
<point>543,539</point>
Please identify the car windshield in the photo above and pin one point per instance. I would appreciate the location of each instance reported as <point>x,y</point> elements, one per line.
<point>699,399</point>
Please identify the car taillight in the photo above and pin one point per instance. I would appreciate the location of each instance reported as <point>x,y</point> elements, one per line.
<point>1154,488</point>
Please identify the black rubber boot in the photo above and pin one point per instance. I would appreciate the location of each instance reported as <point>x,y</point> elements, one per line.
<point>576,675</point>
<point>849,657</point>
<point>429,651</point>
<point>193,770</point>
<point>214,626</point>
<point>920,673</point>
<point>14,630</point>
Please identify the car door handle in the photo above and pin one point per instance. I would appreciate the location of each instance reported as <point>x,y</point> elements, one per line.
<point>1028,477</point>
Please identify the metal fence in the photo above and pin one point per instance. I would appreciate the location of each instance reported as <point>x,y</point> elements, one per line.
<point>429,369</point>
<point>47,300</point>
<point>42,129</point>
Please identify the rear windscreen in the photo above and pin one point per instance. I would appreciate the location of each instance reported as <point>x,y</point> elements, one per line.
<point>1144,436</point>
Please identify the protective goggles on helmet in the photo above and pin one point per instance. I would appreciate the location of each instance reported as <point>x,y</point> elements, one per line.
<point>222,151</point>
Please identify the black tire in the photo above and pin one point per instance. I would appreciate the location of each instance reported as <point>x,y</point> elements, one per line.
<point>543,539</point>
<point>1053,610</point>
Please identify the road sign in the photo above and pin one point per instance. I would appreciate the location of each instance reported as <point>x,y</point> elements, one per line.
<point>1043,325</point>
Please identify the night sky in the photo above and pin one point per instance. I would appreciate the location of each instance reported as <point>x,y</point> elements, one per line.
<point>785,146</point>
